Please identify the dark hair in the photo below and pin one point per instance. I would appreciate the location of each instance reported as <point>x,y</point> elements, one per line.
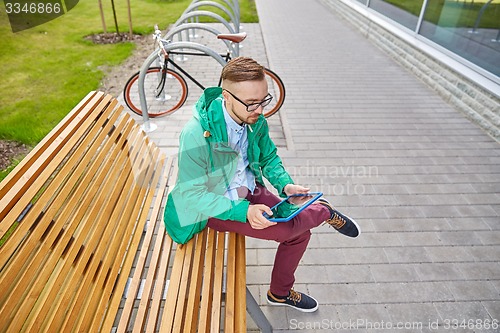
<point>242,69</point>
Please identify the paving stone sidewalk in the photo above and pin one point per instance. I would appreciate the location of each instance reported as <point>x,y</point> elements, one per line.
<point>421,180</point>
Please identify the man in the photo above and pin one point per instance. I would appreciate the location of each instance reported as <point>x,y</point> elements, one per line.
<point>225,151</point>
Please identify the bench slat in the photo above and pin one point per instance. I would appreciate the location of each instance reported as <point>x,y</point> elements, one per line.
<point>194,291</point>
<point>180,309</point>
<point>173,288</point>
<point>217,288</point>
<point>230,284</point>
<point>154,311</point>
<point>164,262</point>
<point>241,283</point>
<point>208,280</point>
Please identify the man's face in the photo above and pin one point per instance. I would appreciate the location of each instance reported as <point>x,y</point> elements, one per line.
<point>248,92</point>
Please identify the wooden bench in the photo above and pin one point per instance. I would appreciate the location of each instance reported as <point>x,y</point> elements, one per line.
<point>84,247</point>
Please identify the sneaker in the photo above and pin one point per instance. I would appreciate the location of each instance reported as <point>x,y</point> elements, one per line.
<point>295,299</point>
<point>342,223</point>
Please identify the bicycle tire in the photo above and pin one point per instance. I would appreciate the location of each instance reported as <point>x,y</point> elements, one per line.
<point>175,86</point>
<point>277,90</point>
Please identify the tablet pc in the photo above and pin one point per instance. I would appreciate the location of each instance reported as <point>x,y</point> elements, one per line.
<point>291,206</point>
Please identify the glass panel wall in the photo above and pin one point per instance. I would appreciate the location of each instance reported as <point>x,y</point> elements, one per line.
<point>468,28</point>
<point>405,12</point>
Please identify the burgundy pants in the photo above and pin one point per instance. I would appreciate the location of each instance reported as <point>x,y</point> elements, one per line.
<point>293,236</point>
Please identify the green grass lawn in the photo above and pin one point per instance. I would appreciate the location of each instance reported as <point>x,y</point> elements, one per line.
<point>48,69</point>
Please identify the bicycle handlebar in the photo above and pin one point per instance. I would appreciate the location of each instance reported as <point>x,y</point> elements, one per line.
<point>159,40</point>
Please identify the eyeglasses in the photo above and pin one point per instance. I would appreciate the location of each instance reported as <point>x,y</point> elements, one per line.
<point>254,106</point>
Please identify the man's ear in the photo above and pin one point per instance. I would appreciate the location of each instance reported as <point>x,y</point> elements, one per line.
<point>225,95</point>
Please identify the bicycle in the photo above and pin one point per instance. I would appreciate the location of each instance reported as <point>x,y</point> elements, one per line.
<point>166,90</point>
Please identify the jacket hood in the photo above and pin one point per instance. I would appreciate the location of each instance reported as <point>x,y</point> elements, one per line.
<point>208,111</point>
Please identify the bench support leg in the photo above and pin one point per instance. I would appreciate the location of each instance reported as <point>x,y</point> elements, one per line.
<point>257,315</point>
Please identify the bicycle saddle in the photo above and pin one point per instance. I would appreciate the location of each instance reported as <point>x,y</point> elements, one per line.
<point>236,38</point>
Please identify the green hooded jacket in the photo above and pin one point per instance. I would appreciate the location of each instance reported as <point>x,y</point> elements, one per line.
<point>207,165</point>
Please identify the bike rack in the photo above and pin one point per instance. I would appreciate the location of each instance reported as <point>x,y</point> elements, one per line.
<point>188,26</point>
<point>148,126</point>
<point>479,16</point>
<point>234,19</point>
<point>497,38</point>
<point>233,5</point>
<point>198,13</point>
<point>232,10</point>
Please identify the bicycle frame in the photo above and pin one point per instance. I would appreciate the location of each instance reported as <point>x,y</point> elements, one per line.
<point>154,56</point>
<point>169,60</point>
<point>165,63</point>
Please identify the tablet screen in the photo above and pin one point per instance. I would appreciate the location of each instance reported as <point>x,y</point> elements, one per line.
<point>292,205</point>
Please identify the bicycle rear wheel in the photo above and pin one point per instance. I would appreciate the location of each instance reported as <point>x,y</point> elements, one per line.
<point>162,98</point>
<point>277,90</point>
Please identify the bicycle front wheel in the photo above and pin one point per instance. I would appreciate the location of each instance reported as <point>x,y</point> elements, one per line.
<point>277,90</point>
<point>165,92</point>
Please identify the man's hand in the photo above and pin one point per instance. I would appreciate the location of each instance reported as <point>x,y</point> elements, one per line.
<point>256,219</point>
<point>295,189</point>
